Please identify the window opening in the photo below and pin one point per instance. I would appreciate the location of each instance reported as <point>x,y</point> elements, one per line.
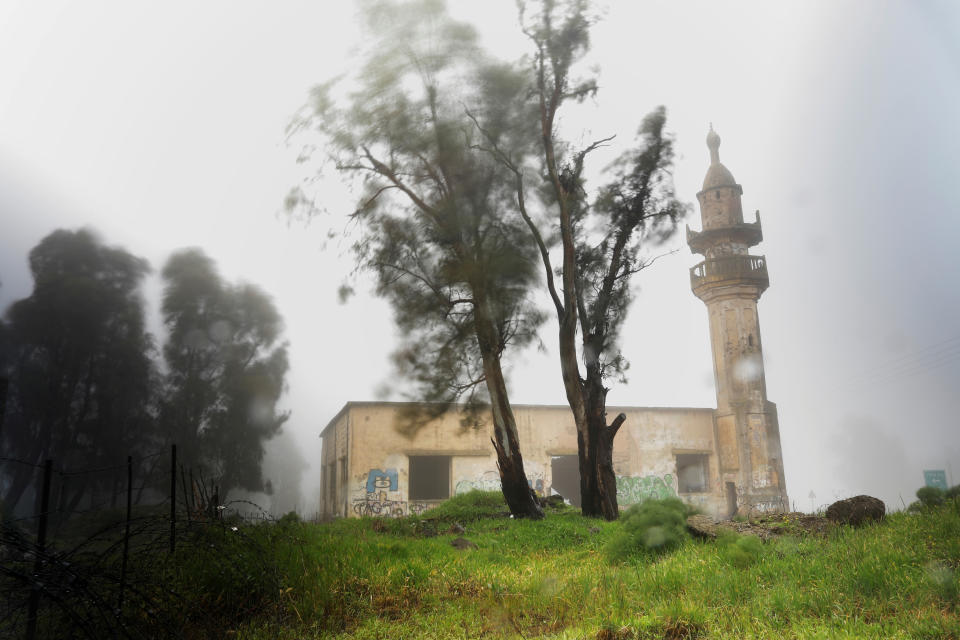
<point>331,480</point>
<point>429,477</point>
<point>692,473</point>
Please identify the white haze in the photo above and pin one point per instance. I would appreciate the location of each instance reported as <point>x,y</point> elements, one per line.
<point>162,126</point>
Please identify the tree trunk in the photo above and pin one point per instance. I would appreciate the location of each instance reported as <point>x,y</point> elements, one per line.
<point>598,482</point>
<point>517,492</point>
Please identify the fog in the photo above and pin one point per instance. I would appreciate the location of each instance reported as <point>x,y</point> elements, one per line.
<point>163,127</point>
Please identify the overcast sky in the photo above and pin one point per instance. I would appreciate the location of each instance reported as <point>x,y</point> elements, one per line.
<point>162,126</point>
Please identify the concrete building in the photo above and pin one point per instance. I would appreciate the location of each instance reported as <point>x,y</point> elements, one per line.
<point>721,459</point>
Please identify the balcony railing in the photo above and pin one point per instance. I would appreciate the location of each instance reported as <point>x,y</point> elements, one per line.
<point>750,268</point>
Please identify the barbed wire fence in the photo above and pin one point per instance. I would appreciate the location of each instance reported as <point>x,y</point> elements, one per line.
<point>89,568</point>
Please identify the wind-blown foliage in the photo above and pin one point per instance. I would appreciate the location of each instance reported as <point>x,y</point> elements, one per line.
<point>637,210</point>
<point>438,223</point>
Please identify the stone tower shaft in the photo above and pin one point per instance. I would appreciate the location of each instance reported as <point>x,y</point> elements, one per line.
<point>730,281</point>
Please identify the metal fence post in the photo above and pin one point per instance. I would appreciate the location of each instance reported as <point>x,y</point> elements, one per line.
<point>126,536</point>
<point>41,545</point>
<point>186,501</point>
<point>3,399</point>
<point>173,498</point>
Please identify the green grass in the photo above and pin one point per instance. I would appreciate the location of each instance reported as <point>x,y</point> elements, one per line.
<point>364,578</point>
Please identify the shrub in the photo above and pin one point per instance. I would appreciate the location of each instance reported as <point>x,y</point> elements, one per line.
<point>740,551</point>
<point>289,519</point>
<point>945,581</point>
<point>473,505</point>
<point>953,492</point>
<point>651,527</point>
<point>930,496</point>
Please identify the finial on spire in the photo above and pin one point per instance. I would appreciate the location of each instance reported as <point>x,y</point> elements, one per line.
<point>713,143</point>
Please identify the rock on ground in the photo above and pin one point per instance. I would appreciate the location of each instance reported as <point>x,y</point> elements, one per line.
<point>857,511</point>
<point>702,526</point>
<point>463,543</point>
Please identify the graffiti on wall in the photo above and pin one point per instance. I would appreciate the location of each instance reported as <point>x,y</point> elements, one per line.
<point>490,481</point>
<point>387,508</point>
<point>634,490</point>
<point>536,484</point>
<point>378,480</point>
<point>416,508</point>
<point>751,505</point>
<point>382,497</point>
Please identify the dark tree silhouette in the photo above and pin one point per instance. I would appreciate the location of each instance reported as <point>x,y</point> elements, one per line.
<point>81,375</point>
<point>226,370</point>
<point>439,225</point>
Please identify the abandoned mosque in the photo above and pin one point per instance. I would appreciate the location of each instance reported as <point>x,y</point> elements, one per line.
<point>721,460</point>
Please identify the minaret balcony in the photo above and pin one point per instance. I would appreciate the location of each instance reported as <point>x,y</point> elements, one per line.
<point>746,233</point>
<point>729,270</point>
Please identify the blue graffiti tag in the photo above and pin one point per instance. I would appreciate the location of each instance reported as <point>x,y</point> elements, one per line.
<point>390,475</point>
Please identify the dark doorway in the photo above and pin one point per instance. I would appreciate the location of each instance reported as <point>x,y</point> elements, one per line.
<point>429,477</point>
<point>731,499</point>
<point>566,477</point>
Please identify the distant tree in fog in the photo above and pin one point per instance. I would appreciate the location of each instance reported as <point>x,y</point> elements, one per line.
<point>226,366</point>
<point>285,463</point>
<point>79,361</point>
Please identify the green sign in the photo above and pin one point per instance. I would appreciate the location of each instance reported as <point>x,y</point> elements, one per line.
<point>935,478</point>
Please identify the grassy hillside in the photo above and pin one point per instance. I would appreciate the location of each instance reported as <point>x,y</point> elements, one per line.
<point>553,579</point>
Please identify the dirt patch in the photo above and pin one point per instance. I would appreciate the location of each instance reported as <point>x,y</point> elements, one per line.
<point>764,527</point>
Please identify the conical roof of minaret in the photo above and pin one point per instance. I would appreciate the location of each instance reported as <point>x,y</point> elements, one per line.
<point>717,175</point>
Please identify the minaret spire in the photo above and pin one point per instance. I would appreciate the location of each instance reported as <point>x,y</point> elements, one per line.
<point>730,281</point>
<point>713,143</point>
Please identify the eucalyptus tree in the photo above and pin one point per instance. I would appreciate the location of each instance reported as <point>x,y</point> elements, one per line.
<point>438,222</point>
<point>603,241</point>
<point>226,369</point>
<point>82,378</point>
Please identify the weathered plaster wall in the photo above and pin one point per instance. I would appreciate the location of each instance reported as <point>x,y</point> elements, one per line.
<point>333,463</point>
<point>646,449</point>
<point>378,451</point>
<point>644,454</point>
<point>737,352</point>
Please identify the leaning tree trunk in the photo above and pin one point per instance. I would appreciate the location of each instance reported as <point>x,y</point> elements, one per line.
<point>598,482</point>
<point>520,498</point>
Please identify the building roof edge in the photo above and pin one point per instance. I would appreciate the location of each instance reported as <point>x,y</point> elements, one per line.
<point>366,403</point>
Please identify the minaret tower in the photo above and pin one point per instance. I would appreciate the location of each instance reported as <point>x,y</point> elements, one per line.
<point>730,282</point>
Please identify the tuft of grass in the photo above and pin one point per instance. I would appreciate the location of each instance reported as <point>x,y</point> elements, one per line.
<point>651,527</point>
<point>469,507</point>
<point>739,551</point>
